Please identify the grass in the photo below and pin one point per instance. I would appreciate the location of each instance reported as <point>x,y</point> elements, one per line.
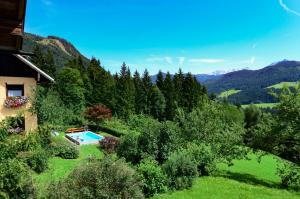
<point>247,179</point>
<point>283,84</point>
<point>223,188</point>
<point>262,105</point>
<point>227,93</point>
<point>60,168</point>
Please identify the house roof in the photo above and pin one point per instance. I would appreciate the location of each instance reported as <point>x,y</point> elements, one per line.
<point>34,67</point>
<point>12,24</point>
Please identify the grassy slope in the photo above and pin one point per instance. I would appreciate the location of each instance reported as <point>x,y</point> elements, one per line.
<point>227,93</point>
<point>262,105</point>
<point>247,179</point>
<point>282,84</point>
<point>60,168</point>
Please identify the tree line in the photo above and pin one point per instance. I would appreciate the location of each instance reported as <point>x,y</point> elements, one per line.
<point>79,86</point>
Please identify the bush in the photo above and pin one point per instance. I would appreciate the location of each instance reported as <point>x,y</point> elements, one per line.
<point>3,133</point>
<point>181,170</point>
<point>65,150</point>
<point>203,156</point>
<point>154,179</point>
<point>15,180</point>
<point>37,161</point>
<point>109,144</point>
<point>99,179</point>
<point>290,177</point>
<point>128,148</point>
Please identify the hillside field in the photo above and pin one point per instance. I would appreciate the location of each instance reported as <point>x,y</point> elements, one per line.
<point>247,179</point>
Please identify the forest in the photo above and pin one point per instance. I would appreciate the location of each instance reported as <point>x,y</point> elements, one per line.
<point>160,137</point>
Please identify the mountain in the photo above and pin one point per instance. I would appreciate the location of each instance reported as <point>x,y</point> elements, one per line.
<point>200,77</point>
<point>253,83</point>
<point>62,50</point>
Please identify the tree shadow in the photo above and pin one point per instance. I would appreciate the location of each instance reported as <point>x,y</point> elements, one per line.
<point>250,179</point>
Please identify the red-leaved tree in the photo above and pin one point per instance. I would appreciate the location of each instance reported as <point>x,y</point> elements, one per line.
<point>98,113</point>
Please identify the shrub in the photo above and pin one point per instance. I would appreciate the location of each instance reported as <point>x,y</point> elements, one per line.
<point>37,161</point>
<point>203,156</point>
<point>109,144</point>
<point>99,179</point>
<point>3,133</point>
<point>290,177</point>
<point>154,179</point>
<point>15,180</point>
<point>65,150</point>
<point>181,170</point>
<point>128,148</point>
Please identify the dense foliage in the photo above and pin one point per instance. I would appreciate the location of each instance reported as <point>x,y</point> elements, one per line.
<point>99,179</point>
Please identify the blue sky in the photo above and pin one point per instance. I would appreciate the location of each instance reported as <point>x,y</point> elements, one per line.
<point>200,36</point>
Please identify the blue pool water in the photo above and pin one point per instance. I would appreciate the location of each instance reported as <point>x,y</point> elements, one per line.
<point>86,137</point>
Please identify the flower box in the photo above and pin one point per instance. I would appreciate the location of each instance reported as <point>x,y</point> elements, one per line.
<point>15,102</point>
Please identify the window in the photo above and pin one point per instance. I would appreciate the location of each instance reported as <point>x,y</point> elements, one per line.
<point>14,90</point>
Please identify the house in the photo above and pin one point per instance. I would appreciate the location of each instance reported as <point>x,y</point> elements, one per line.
<point>18,76</point>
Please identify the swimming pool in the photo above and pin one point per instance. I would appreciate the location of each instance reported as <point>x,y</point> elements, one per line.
<point>86,137</point>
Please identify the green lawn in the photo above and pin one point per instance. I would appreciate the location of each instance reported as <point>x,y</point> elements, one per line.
<point>247,179</point>
<point>262,105</point>
<point>226,94</point>
<point>60,168</point>
<point>282,84</point>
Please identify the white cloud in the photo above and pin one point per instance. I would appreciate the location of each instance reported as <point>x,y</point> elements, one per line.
<point>181,60</point>
<point>207,61</point>
<point>169,60</point>
<point>286,8</point>
<point>47,2</point>
<point>250,61</point>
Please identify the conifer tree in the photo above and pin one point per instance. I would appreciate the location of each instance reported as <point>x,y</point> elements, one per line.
<point>158,103</point>
<point>169,93</point>
<point>178,84</point>
<point>147,87</point>
<point>125,93</point>
<point>192,92</point>
<point>160,80</point>
<point>38,59</point>
<point>139,93</point>
<point>102,85</point>
<point>50,67</point>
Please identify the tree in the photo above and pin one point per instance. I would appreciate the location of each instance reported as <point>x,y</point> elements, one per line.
<point>178,84</point>
<point>169,93</point>
<point>103,85</point>
<point>147,87</point>
<point>139,93</point>
<point>158,103</point>
<point>50,67</point>
<point>38,58</point>
<point>98,113</point>
<point>126,93</point>
<point>71,89</point>
<point>160,80</point>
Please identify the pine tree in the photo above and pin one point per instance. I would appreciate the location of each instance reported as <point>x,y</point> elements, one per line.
<point>102,85</point>
<point>160,80</point>
<point>158,103</point>
<point>147,87</point>
<point>139,93</point>
<point>192,92</point>
<point>178,84</point>
<point>38,59</point>
<point>125,93</point>
<point>169,93</point>
<point>50,67</point>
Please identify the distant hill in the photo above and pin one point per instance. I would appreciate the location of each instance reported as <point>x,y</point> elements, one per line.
<point>200,77</point>
<point>62,50</point>
<point>254,83</point>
